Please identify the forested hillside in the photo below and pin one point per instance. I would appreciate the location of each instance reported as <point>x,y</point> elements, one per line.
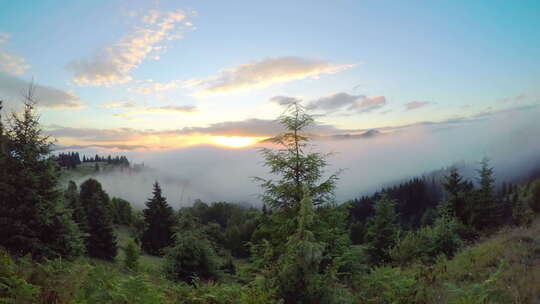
<point>440,238</point>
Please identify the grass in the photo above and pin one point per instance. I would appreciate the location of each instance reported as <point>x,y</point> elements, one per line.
<point>503,268</point>
<point>148,263</point>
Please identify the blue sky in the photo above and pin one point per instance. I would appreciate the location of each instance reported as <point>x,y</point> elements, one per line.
<point>360,64</point>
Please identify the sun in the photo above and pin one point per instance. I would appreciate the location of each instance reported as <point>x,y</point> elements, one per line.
<point>235,141</point>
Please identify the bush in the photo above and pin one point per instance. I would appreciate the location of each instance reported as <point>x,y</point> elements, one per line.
<point>131,260</point>
<point>13,287</point>
<point>428,242</point>
<point>191,256</point>
<point>386,285</point>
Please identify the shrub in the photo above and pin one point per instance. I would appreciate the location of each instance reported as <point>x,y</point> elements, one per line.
<point>191,256</point>
<point>386,285</point>
<point>132,251</point>
<point>13,287</point>
<point>428,242</point>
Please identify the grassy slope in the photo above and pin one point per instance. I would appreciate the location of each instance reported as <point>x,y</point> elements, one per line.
<point>504,268</point>
<point>148,263</point>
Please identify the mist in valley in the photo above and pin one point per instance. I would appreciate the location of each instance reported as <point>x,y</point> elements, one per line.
<point>213,174</point>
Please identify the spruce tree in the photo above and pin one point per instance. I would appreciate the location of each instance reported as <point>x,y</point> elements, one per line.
<point>295,166</point>
<point>382,231</point>
<point>101,240</point>
<point>71,197</point>
<point>160,221</point>
<point>33,216</point>
<point>487,208</point>
<point>459,195</point>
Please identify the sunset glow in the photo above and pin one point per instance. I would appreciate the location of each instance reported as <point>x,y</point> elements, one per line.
<point>236,141</point>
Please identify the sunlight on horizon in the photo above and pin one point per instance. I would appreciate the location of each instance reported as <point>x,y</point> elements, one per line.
<point>236,141</point>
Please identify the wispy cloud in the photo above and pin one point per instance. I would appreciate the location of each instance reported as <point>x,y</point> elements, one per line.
<point>12,88</point>
<point>284,100</point>
<point>112,65</point>
<point>516,99</point>
<point>413,105</point>
<point>347,103</point>
<point>9,62</point>
<point>148,87</point>
<point>264,73</point>
<point>118,104</point>
<point>159,109</point>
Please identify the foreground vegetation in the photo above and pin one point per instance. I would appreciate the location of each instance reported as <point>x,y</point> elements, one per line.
<point>447,240</point>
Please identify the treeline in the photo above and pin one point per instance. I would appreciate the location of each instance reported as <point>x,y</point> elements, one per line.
<point>70,160</point>
<point>118,160</point>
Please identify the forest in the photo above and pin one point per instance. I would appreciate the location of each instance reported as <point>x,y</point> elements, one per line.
<point>437,238</point>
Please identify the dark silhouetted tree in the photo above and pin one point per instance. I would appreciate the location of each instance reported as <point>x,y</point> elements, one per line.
<point>159,220</point>
<point>101,240</point>
<point>33,216</point>
<point>382,231</point>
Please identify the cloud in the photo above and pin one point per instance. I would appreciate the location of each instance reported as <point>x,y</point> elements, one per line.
<point>263,73</point>
<point>97,135</point>
<point>11,63</point>
<point>413,105</point>
<point>348,103</point>
<point>12,89</point>
<point>516,99</point>
<point>159,109</point>
<point>256,128</point>
<point>112,65</point>
<point>106,147</point>
<point>284,100</point>
<point>118,104</point>
<point>148,87</point>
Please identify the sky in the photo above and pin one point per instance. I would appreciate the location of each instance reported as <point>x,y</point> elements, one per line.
<point>121,74</point>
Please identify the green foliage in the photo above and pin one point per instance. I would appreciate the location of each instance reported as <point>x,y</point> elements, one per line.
<point>534,200</point>
<point>132,254</point>
<point>159,222</point>
<point>487,211</point>
<point>295,167</point>
<point>122,214</point>
<point>382,231</point>
<point>13,287</point>
<point>33,217</point>
<point>354,261</point>
<point>213,293</point>
<point>192,256</point>
<point>102,286</point>
<point>386,285</point>
<point>459,200</point>
<point>522,214</point>
<point>481,292</point>
<point>101,240</point>
<point>426,243</point>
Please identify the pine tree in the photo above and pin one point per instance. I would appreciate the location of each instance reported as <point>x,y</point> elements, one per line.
<point>101,241</point>
<point>71,197</point>
<point>299,278</point>
<point>294,165</point>
<point>487,208</point>
<point>382,231</point>
<point>33,217</point>
<point>159,219</point>
<point>459,195</point>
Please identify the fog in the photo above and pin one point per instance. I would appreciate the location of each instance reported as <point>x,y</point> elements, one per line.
<point>508,138</point>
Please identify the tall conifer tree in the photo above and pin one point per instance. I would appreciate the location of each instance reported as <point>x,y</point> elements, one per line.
<point>101,240</point>
<point>160,221</point>
<point>33,217</point>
